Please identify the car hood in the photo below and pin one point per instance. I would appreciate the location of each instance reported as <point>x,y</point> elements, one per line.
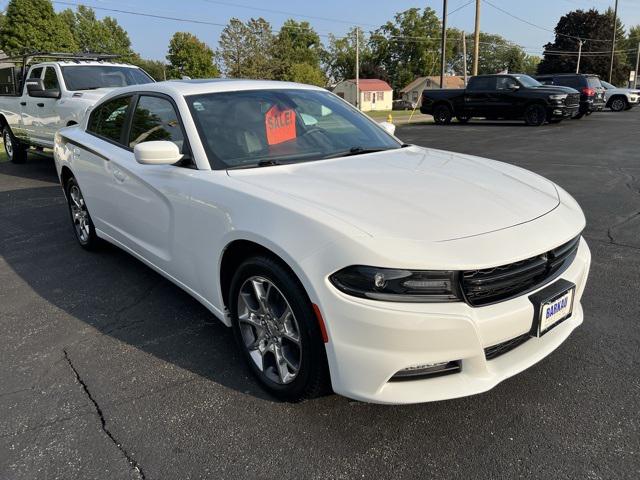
<point>95,94</point>
<point>412,193</point>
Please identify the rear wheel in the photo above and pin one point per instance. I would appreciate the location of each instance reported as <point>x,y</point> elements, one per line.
<point>535,115</point>
<point>618,104</point>
<point>276,328</point>
<point>442,115</point>
<point>15,151</point>
<point>82,224</point>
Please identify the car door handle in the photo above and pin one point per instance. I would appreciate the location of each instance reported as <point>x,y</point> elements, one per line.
<point>40,104</point>
<point>119,175</point>
<point>24,104</point>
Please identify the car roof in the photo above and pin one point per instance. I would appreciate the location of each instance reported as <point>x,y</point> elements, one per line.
<point>202,86</point>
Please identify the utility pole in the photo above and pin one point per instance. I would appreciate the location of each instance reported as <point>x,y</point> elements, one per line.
<point>443,43</point>
<point>358,68</point>
<point>476,40</point>
<point>464,56</point>
<point>613,40</point>
<point>579,56</point>
<point>635,78</point>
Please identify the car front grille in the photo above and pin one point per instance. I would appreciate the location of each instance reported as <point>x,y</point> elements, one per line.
<point>572,100</point>
<point>495,351</point>
<point>491,285</point>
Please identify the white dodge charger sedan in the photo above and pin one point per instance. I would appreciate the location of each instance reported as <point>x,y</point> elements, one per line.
<point>342,258</point>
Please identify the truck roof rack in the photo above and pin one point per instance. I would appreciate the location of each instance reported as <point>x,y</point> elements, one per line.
<point>86,56</point>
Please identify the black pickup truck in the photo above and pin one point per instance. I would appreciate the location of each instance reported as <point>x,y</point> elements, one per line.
<point>509,96</point>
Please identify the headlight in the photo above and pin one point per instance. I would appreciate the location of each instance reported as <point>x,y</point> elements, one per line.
<point>558,97</point>
<point>393,285</point>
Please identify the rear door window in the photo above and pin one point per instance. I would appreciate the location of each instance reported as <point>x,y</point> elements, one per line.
<point>482,83</point>
<point>108,120</point>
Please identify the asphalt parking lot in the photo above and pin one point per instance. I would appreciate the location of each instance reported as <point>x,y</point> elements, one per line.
<point>109,371</point>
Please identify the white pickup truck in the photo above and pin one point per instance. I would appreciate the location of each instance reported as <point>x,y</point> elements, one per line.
<point>53,95</point>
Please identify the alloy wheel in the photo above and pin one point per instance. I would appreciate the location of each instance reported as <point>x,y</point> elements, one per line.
<point>8,144</point>
<point>617,105</point>
<point>79,214</point>
<point>269,330</point>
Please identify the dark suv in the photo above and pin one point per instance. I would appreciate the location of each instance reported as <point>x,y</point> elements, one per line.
<point>591,90</point>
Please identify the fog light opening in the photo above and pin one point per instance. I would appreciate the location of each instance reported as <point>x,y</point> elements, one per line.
<point>427,371</point>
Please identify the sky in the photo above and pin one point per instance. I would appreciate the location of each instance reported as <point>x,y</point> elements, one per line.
<point>150,36</point>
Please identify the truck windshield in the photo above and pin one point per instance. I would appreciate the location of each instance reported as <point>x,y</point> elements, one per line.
<point>91,77</point>
<point>256,128</point>
<point>528,81</point>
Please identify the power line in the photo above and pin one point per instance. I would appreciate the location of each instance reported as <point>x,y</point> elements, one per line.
<point>506,12</point>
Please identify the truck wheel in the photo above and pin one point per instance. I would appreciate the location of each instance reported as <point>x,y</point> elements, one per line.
<point>16,153</point>
<point>535,115</point>
<point>618,104</point>
<point>442,115</point>
<point>463,118</point>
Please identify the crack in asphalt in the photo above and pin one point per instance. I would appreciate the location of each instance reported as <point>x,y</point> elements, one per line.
<point>134,465</point>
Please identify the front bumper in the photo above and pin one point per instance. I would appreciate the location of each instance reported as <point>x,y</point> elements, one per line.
<point>371,341</point>
<point>563,111</point>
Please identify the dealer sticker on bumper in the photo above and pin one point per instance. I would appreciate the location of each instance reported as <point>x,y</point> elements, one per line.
<point>551,306</point>
<point>556,310</point>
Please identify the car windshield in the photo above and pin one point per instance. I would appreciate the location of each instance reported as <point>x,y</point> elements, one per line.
<point>528,81</point>
<point>243,129</point>
<point>91,77</point>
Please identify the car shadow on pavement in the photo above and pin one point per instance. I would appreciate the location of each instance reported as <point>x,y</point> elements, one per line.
<point>108,290</point>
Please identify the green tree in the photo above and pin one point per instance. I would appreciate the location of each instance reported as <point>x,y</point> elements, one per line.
<point>408,46</point>
<point>296,54</point>
<point>33,25</point>
<point>596,28</point>
<point>339,59</point>
<point>190,57</point>
<point>97,36</point>
<point>246,49</point>
<point>155,68</point>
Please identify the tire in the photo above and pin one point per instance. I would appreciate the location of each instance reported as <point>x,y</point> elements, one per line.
<point>15,151</point>
<point>618,104</point>
<point>83,228</point>
<point>442,115</point>
<point>535,115</point>
<point>463,118</point>
<point>258,328</point>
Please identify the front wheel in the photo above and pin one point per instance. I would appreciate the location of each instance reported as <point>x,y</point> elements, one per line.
<point>535,115</point>
<point>442,115</point>
<point>618,104</point>
<point>82,224</point>
<point>16,153</point>
<point>277,330</point>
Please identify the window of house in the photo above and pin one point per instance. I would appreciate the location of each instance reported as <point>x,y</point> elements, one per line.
<point>380,96</point>
<point>107,120</point>
<point>367,96</point>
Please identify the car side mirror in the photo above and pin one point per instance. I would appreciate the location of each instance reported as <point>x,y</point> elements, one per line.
<point>389,127</point>
<point>157,152</point>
